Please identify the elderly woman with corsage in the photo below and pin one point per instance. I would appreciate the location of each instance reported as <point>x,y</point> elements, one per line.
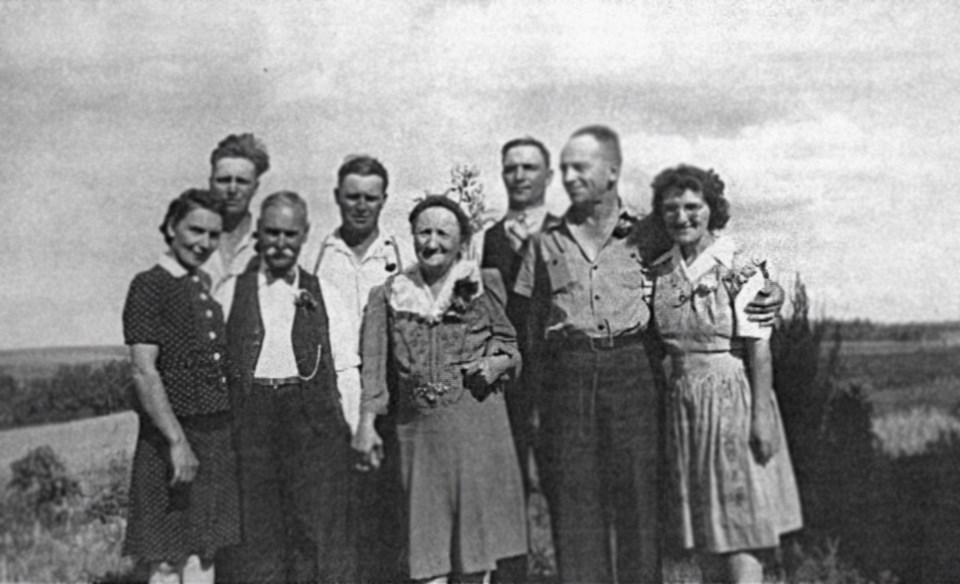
<point>731,483</point>
<point>436,348</point>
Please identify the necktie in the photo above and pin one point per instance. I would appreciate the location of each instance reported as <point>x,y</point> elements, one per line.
<point>519,231</point>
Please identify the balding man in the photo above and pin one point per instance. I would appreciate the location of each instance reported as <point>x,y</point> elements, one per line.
<point>292,440</point>
<point>600,406</point>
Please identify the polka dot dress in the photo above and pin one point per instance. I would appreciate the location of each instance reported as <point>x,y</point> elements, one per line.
<point>170,523</point>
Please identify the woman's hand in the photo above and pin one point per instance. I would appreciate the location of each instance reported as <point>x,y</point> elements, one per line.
<point>368,444</point>
<point>764,438</point>
<point>488,369</point>
<point>184,463</point>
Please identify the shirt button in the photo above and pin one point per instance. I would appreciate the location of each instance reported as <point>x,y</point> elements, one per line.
<point>213,335</point>
<point>195,278</point>
<point>216,356</point>
<point>203,296</point>
<point>596,297</point>
<point>600,327</point>
<point>209,313</point>
<point>223,379</point>
<point>595,268</point>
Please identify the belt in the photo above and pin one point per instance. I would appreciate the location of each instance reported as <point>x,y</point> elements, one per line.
<point>275,382</point>
<point>596,344</point>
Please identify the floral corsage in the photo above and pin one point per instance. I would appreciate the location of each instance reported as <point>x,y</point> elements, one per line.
<point>735,278</point>
<point>305,300</point>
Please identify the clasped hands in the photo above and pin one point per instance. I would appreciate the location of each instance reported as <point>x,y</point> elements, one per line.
<point>367,443</point>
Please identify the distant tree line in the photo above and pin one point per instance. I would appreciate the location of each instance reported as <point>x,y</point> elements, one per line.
<point>73,392</point>
<point>859,329</point>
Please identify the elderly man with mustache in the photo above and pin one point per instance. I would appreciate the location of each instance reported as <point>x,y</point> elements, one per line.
<point>291,437</point>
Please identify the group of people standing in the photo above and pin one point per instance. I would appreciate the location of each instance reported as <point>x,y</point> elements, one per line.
<point>364,415</point>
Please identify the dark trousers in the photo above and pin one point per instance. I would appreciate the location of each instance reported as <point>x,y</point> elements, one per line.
<point>521,402</point>
<point>601,445</point>
<point>295,494</point>
<point>379,516</point>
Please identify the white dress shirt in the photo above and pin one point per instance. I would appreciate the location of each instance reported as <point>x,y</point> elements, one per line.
<point>345,282</point>
<point>277,311</point>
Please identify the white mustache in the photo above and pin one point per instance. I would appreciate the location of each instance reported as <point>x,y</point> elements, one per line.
<point>274,251</point>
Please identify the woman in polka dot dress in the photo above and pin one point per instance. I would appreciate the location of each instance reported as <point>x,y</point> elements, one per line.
<point>183,492</point>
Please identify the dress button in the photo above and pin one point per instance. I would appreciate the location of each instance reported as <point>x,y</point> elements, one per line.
<point>216,356</point>
<point>209,313</point>
<point>203,296</point>
<point>600,327</point>
<point>595,268</point>
<point>596,297</point>
<point>223,379</point>
<point>195,278</point>
<point>213,335</point>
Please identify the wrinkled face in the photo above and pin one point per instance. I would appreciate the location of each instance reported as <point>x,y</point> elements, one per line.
<point>525,176</point>
<point>281,232</point>
<point>587,172</point>
<point>235,181</point>
<point>686,216</point>
<point>195,237</point>
<point>360,198</point>
<point>436,239</point>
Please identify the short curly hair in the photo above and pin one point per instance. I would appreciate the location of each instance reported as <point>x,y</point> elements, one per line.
<point>686,177</point>
<point>466,231</point>
<point>242,146</point>
<point>189,200</point>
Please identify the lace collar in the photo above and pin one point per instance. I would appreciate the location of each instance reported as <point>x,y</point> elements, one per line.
<point>409,293</point>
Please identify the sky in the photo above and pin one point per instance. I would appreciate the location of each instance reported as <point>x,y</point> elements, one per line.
<point>833,124</point>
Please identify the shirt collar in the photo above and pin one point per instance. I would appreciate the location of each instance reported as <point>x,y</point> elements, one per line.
<point>171,265</point>
<point>264,278</point>
<point>534,216</point>
<point>721,251</point>
<point>378,248</point>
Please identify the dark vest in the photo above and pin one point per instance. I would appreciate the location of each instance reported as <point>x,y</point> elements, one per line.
<point>321,399</point>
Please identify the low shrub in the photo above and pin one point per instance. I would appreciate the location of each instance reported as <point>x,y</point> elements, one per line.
<point>51,531</point>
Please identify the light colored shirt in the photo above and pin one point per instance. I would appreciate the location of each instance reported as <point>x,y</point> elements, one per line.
<point>346,281</point>
<point>223,271</point>
<point>277,311</point>
<point>606,296</point>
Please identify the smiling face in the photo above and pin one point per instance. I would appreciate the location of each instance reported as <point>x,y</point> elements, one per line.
<point>234,180</point>
<point>588,172</point>
<point>687,218</point>
<point>360,198</point>
<point>525,176</point>
<point>281,231</point>
<point>195,237</point>
<point>437,241</point>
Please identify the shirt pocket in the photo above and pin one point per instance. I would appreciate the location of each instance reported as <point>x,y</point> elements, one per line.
<point>558,274</point>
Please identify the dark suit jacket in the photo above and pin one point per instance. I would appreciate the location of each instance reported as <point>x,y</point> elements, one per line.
<point>321,399</point>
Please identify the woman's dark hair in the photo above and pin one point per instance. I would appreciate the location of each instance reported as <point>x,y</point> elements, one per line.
<point>189,200</point>
<point>242,146</point>
<point>690,178</point>
<point>466,231</point>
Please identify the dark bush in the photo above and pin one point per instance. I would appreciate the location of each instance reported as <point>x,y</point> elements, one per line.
<point>828,433</point>
<point>41,480</point>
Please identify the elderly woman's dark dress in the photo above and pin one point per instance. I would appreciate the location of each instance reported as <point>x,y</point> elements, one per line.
<point>170,307</point>
<point>464,496</point>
